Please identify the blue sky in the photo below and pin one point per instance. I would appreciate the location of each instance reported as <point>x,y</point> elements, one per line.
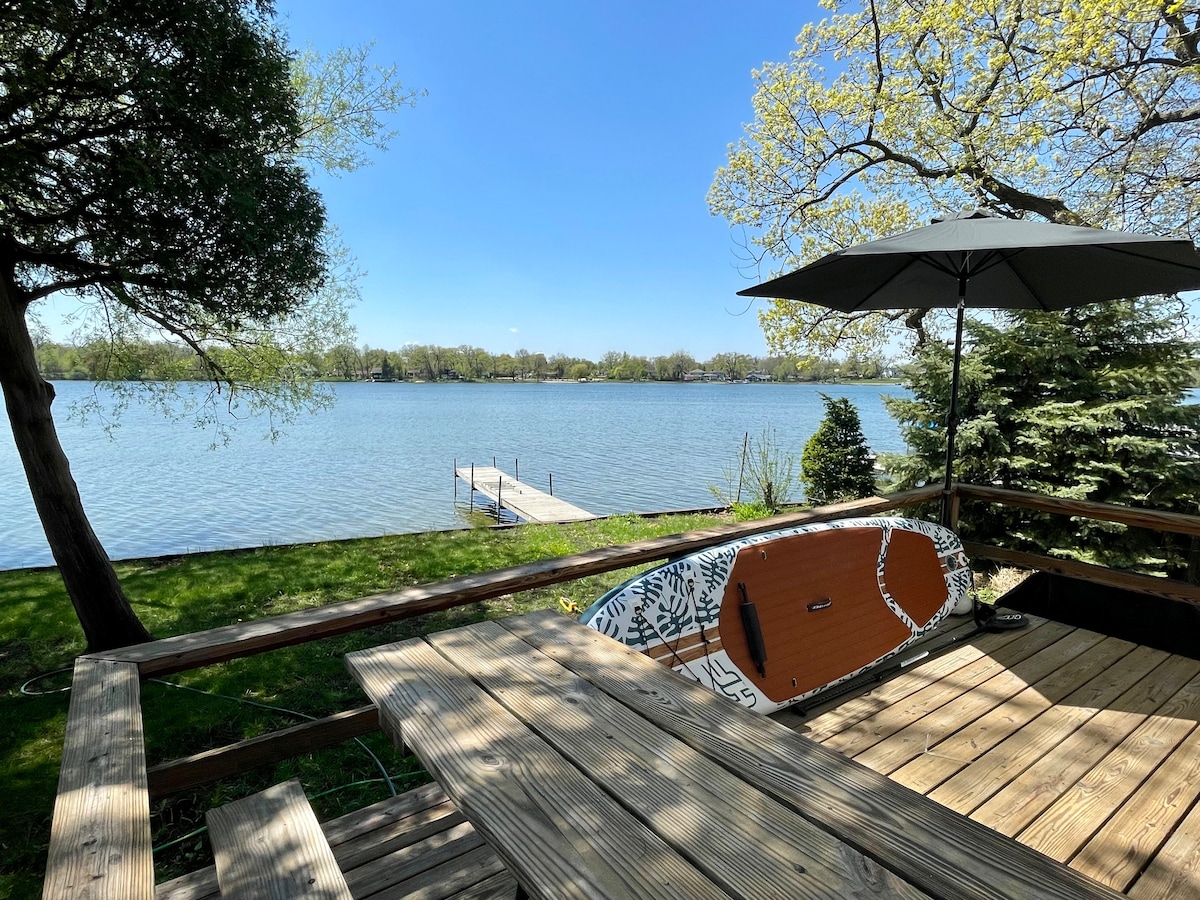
<point>549,191</point>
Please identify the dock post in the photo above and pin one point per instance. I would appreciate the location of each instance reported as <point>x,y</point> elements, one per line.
<point>517,468</point>
<point>551,484</point>
<point>472,487</point>
<point>742,470</point>
<point>499,498</point>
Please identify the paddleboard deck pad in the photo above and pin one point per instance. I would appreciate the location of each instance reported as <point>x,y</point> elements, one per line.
<point>772,619</point>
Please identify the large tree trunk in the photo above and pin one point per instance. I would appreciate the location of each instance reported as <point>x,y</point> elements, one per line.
<point>104,612</point>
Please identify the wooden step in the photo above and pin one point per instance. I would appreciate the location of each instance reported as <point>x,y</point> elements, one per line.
<point>270,845</point>
<point>414,845</point>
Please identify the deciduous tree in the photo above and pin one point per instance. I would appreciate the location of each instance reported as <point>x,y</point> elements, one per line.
<point>733,365</point>
<point>152,162</point>
<point>675,366</point>
<point>890,111</point>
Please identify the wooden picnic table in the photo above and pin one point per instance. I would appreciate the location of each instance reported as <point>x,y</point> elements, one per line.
<point>594,772</point>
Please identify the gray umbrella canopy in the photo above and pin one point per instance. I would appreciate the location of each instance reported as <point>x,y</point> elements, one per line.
<point>987,262</point>
<point>1008,264</point>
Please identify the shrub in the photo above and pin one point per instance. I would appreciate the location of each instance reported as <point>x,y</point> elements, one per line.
<point>764,478</point>
<point>837,464</point>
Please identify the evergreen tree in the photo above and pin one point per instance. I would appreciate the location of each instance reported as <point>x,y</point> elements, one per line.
<point>836,463</point>
<point>1086,404</point>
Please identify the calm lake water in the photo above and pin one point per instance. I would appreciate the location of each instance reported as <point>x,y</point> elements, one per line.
<point>381,461</point>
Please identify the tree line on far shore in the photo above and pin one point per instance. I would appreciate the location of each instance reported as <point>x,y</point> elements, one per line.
<point>151,361</point>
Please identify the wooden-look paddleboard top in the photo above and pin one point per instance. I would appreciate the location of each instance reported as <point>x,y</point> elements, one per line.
<point>830,600</point>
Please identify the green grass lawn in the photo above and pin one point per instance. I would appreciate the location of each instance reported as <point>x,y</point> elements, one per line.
<point>39,634</point>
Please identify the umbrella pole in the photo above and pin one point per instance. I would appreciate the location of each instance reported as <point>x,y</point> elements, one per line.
<point>952,422</point>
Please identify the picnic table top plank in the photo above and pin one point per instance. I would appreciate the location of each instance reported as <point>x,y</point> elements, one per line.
<point>941,851</point>
<point>746,842</point>
<point>542,816</point>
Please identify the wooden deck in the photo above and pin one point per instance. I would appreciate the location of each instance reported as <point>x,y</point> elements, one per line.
<point>519,498</point>
<point>1081,746</point>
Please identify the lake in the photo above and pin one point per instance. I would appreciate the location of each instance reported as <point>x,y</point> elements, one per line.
<point>381,461</point>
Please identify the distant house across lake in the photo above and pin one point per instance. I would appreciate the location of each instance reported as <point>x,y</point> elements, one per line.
<point>701,375</point>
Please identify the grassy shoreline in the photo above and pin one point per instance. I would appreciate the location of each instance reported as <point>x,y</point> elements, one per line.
<point>180,594</point>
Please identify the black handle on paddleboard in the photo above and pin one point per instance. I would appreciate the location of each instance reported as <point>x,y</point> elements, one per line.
<point>754,635</point>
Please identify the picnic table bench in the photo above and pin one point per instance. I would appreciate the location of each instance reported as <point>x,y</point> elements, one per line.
<point>593,771</point>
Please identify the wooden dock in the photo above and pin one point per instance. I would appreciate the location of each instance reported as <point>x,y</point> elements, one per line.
<point>521,499</point>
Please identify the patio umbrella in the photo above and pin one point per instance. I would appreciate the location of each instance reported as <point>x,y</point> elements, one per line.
<point>984,261</point>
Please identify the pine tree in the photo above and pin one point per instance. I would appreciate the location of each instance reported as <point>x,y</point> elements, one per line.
<point>837,463</point>
<point>1086,404</point>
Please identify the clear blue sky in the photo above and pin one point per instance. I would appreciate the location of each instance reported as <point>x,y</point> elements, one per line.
<point>549,192</point>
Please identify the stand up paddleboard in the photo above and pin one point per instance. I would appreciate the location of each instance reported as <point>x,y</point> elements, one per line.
<point>773,619</point>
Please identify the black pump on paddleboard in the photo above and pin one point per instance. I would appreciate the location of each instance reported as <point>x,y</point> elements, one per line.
<point>754,635</point>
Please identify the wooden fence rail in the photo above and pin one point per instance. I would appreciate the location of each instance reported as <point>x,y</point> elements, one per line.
<point>1180,523</point>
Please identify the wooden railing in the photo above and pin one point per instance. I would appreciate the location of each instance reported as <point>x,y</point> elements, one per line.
<point>1177,523</point>
<point>99,845</point>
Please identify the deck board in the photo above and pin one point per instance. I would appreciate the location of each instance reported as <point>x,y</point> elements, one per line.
<point>1082,810</point>
<point>1175,871</point>
<point>1082,747</point>
<point>932,729</point>
<point>1026,797</point>
<point>973,785</point>
<point>929,769</point>
<point>866,733</point>
<point>1145,821</point>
